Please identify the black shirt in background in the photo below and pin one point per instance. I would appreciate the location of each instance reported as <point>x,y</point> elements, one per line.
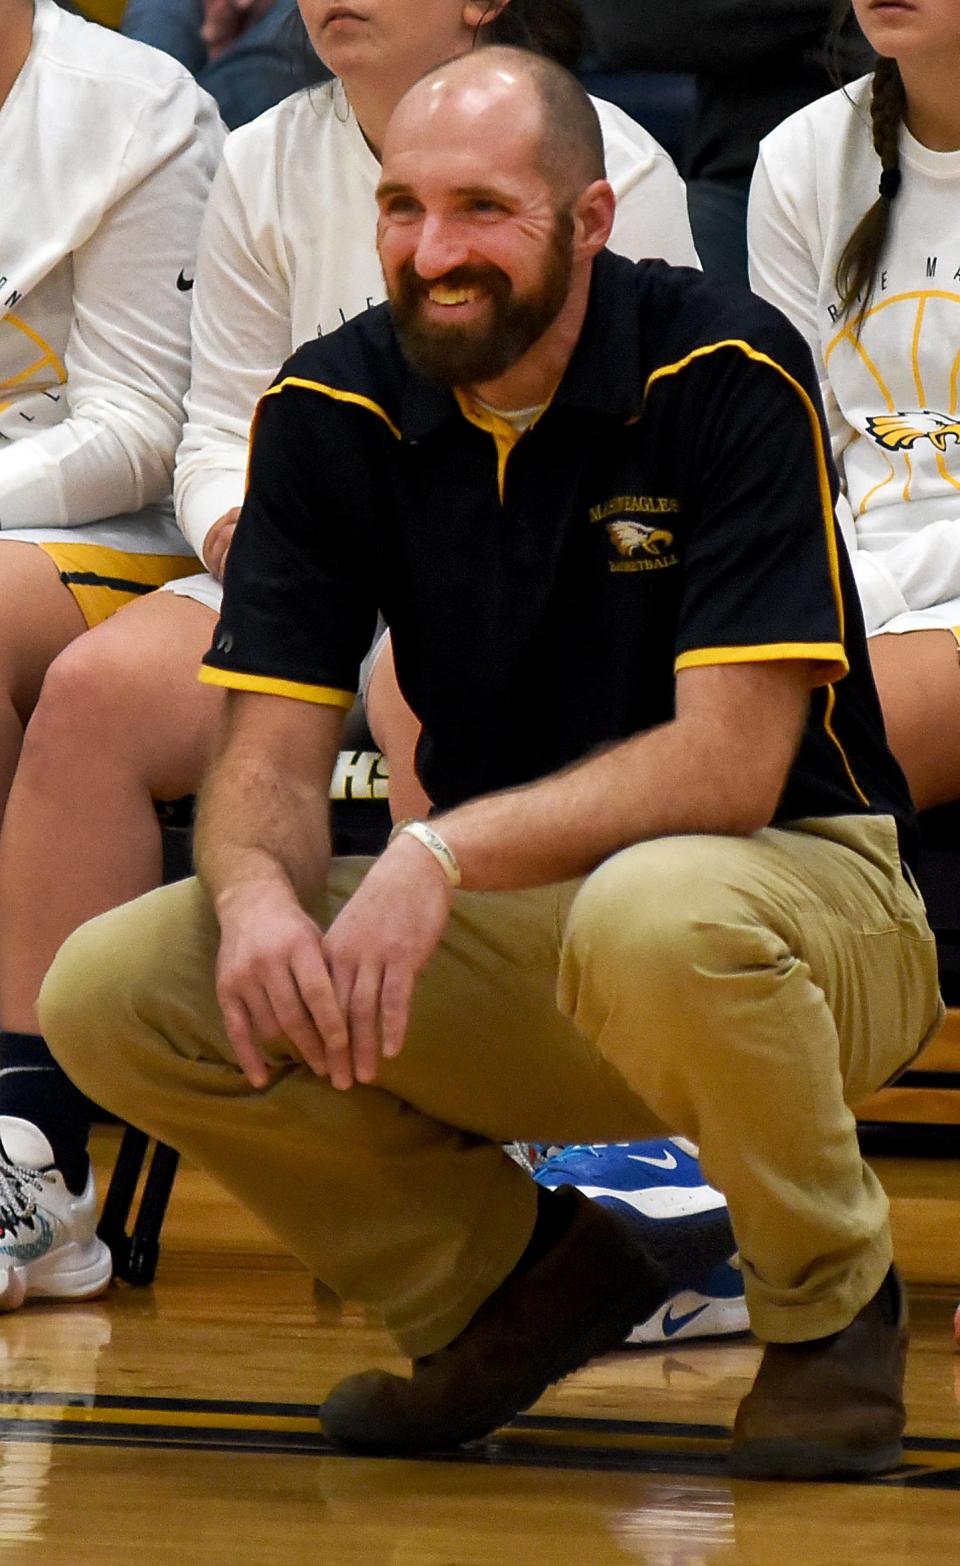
<point>756,62</point>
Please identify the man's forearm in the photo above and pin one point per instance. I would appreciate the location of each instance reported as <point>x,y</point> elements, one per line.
<point>567,824</point>
<point>715,770</point>
<point>264,811</point>
<point>256,825</point>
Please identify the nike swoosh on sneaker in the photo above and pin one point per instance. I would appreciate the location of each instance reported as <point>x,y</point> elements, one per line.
<point>22,1250</point>
<point>661,1202</point>
<point>673,1324</point>
<point>666,1162</point>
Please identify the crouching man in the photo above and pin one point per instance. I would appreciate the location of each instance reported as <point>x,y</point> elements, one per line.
<point>665,885</point>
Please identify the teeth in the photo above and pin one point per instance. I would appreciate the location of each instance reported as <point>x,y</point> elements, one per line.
<point>440,294</point>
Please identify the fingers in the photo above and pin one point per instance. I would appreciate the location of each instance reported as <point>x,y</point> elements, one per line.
<point>395,997</point>
<point>288,995</point>
<point>218,549</point>
<point>223,549</point>
<point>321,1002</point>
<point>376,1002</point>
<point>239,1028</point>
<point>295,1022</point>
<point>306,1006</point>
<point>218,540</point>
<point>341,1000</point>
<point>364,1016</point>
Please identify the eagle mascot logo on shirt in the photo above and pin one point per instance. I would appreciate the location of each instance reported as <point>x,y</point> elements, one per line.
<point>902,431</point>
<point>631,539</point>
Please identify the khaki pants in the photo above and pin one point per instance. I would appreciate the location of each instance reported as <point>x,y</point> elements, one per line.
<point>742,992</point>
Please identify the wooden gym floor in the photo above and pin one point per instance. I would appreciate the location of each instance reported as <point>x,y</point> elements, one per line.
<point>179,1422</point>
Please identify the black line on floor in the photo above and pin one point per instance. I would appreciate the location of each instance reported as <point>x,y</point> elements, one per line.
<point>518,1448</point>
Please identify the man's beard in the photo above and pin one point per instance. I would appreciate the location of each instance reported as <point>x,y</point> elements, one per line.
<point>470,355</point>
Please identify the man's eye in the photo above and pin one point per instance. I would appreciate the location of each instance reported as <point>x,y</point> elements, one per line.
<point>486,204</point>
<point>401,207</point>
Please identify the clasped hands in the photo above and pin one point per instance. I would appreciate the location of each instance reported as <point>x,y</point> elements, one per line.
<point>341,998</point>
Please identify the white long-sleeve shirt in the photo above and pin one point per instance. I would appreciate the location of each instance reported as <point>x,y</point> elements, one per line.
<point>288,252</point>
<point>109,149</point>
<point>893,396</point>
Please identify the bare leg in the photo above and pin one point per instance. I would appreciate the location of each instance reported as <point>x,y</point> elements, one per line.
<point>396,731</point>
<point>918,677</point>
<point>121,721</point>
<point>38,618</point>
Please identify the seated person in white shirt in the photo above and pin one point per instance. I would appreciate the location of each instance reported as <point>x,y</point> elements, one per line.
<point>855,235</point>
<point>109,150</point>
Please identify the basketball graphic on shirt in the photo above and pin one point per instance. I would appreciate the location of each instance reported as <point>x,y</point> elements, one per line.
<point>900,388</point>
<point>29,367</point>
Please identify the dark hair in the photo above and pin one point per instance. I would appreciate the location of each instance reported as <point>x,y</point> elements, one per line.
<point>859,263</point>
<point>306,66</point>
<point>550,27</point>
<point>572,152</point>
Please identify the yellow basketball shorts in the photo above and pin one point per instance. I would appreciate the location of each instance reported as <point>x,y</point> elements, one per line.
<point>102,580</point>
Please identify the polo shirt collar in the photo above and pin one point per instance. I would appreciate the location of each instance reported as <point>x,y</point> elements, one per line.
<point>424,404</point>
<point>595,379</point>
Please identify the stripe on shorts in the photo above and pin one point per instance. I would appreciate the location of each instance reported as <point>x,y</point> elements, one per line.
<point>102,580</point>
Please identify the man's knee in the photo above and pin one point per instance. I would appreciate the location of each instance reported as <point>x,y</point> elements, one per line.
<point>74,1003</point>
<point>652,929</point>
<point>123,972</point>
<point>655,900</point>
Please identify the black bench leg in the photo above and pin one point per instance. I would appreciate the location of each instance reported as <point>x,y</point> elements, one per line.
<point>135,1253</point>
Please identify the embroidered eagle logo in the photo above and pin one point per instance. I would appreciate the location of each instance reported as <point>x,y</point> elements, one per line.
<point>903,431</point>
<point>634,538</point>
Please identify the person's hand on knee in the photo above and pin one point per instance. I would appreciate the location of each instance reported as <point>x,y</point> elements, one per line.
<point>380,943</point>
<point>272,983</point>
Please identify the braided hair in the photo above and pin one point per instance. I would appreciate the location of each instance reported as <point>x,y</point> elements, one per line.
<point>860,262</point>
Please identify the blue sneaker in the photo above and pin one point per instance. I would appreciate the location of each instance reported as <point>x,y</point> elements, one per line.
<point>684,1223</point>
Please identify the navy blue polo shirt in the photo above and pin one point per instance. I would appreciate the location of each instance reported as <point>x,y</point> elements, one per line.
<point>671,507</point>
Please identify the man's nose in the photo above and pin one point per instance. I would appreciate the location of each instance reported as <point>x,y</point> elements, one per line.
<point>439,248</point>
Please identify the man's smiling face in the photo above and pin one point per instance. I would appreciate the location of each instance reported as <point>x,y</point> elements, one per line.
<point>475,248</point>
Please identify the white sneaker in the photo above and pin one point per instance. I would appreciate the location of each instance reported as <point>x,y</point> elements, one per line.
<point>48,1241</point>
<point>716,1309</point>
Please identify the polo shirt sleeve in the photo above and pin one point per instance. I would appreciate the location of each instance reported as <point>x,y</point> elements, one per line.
<point>299,607</point>
<point>763,577</point>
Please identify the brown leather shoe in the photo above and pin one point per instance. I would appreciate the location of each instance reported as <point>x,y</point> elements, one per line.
<point>580,1298</point>
<point>830,1406</point>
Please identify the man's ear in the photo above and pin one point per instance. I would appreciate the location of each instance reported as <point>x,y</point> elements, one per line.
<point>593,214</point>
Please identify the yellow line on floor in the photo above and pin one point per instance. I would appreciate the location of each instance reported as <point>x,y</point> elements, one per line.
<point>72,1413</point>
<point>605,1440</point>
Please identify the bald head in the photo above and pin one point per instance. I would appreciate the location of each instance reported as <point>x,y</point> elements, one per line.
<point>535,96</point>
